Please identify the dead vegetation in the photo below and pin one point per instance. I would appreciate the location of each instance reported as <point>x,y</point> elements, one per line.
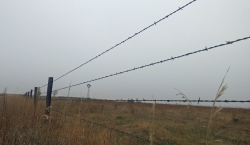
<point>160,123</point>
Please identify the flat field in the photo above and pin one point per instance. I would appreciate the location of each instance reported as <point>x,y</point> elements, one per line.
<point>118,123</point>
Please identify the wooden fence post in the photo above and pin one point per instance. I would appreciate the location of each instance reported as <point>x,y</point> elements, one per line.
<point>28,94</point>
<point>31,93</point>
<point>48,97</point>
<point>35,96</point>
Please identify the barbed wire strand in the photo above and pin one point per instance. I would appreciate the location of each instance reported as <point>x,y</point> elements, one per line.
<point>104,126</point>
<point>180,8</point>
<point>144,100</point>
<point>154,63</point>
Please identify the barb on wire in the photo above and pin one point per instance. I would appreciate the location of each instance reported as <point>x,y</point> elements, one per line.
<point>180,8</point>
<point>104,126</point>
<point>171,58</point>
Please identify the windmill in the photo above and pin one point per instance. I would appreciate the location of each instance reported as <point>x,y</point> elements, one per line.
<point>88,85</point>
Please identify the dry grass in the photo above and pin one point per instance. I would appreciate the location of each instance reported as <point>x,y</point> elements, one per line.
<point>216,111</point>
<point>161,123</point>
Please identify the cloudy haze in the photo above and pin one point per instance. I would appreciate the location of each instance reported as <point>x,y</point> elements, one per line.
<point>41,39</point>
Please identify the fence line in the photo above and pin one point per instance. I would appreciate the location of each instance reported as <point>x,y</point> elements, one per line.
<point>131,100</point>
<point>158,62</point>
<point>104,126</point>
<point>180,8</point>
<point>49,90</point>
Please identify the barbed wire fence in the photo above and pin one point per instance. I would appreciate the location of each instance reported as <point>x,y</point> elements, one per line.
<point>144,29</point>
<point>156,100</point>
<point>50,82</point>
<point>48,109</point>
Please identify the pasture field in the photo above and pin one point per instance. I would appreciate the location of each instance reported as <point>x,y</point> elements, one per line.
<point>22,123</point>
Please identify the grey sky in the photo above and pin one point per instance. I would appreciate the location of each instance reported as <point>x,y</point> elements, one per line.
<point>39,39</point>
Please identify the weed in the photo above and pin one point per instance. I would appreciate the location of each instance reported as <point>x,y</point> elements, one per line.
<point>216,111</point>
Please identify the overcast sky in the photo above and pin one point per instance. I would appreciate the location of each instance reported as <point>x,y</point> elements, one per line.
<point>41,39</point>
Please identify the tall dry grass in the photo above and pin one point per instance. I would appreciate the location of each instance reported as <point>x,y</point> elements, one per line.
<point>216,111</point>
<point>160,123</point>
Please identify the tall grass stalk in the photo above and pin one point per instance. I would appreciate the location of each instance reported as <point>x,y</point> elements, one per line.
<point>214,111</point>
<point>185,97</point>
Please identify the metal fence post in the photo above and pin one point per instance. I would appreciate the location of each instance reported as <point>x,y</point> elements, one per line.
<point>48,98</point>
<point>31,93</point>
<point>35,96</point>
